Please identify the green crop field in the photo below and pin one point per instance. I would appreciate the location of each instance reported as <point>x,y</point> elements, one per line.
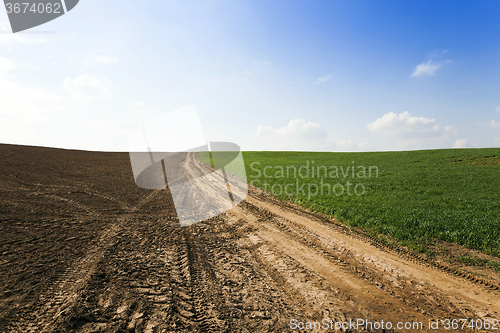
<point>413,196</point>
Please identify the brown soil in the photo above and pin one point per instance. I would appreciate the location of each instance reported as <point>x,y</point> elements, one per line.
<point>83,249</point>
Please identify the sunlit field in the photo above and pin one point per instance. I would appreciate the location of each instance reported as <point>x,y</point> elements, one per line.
<point>415,197</point>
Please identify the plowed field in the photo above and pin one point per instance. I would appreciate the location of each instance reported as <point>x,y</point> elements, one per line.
<point>83,249</point>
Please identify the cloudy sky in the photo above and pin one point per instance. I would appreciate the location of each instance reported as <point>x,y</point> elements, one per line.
<point>267,75</point>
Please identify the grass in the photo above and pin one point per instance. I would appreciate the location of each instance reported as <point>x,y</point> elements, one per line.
<point>206,157</point>
<point>416,197</point>
<point>475,261</point>
<point>231,162</point>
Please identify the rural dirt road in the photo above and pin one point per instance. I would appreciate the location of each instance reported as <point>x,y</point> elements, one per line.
<point>83,249</point>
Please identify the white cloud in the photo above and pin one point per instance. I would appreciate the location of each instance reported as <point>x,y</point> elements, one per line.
<point>364,146</point>
<point>426,68</point>
<point>404,124</point>
<point>296,128</point>
<point>461,143</point>
<point>344,145</point>
<point>264,131</point>
<point>86,88</point>
<point>437,53</point>
<point>140,107</point>
<point>404,131</point>
<point>490,124</point>
<point>6,65</point>
<point>17,99</point>
<point>299,134</point>
<point>18,38</point>
<point>23,110</point>
<point>497,108</point>
<point>323,79</point>
<point>302,135</point>
<point>101,60</point>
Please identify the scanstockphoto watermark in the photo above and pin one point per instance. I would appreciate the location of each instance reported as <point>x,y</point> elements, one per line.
<point>311,179</point>
<point>370,325</point>
<point>358,324</point>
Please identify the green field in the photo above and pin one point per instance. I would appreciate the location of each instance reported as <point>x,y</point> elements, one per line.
<point>416,197</point>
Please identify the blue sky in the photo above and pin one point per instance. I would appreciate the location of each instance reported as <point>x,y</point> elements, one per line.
<point>267,75</point>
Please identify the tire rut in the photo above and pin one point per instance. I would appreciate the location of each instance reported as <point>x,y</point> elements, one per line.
<point>346,263</point>
<point>63,293</point>
<point>208,303</point>
<point>393,248</point>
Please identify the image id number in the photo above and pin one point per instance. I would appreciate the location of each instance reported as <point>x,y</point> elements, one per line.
<point>34,8</point>
<point>477,324</point>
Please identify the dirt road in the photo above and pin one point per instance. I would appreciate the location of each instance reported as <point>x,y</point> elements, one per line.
<point>85,250</point>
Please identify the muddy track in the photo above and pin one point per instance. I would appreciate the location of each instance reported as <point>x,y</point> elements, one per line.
<point>105,256</point>
<point>372,265</point>
<point>209,305</point>
<point>314,232</point>
<point>395,249</point>
<point>341,258</point>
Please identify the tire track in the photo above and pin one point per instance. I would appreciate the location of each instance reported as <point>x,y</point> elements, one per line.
<point>406,275</point>
<point>395,249</point>
<point>275,220</point>
<point>340,256</point>
<point>78,189</point>
<point>208,303</point>
<point>251,269</point>
<point>64,292</point>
